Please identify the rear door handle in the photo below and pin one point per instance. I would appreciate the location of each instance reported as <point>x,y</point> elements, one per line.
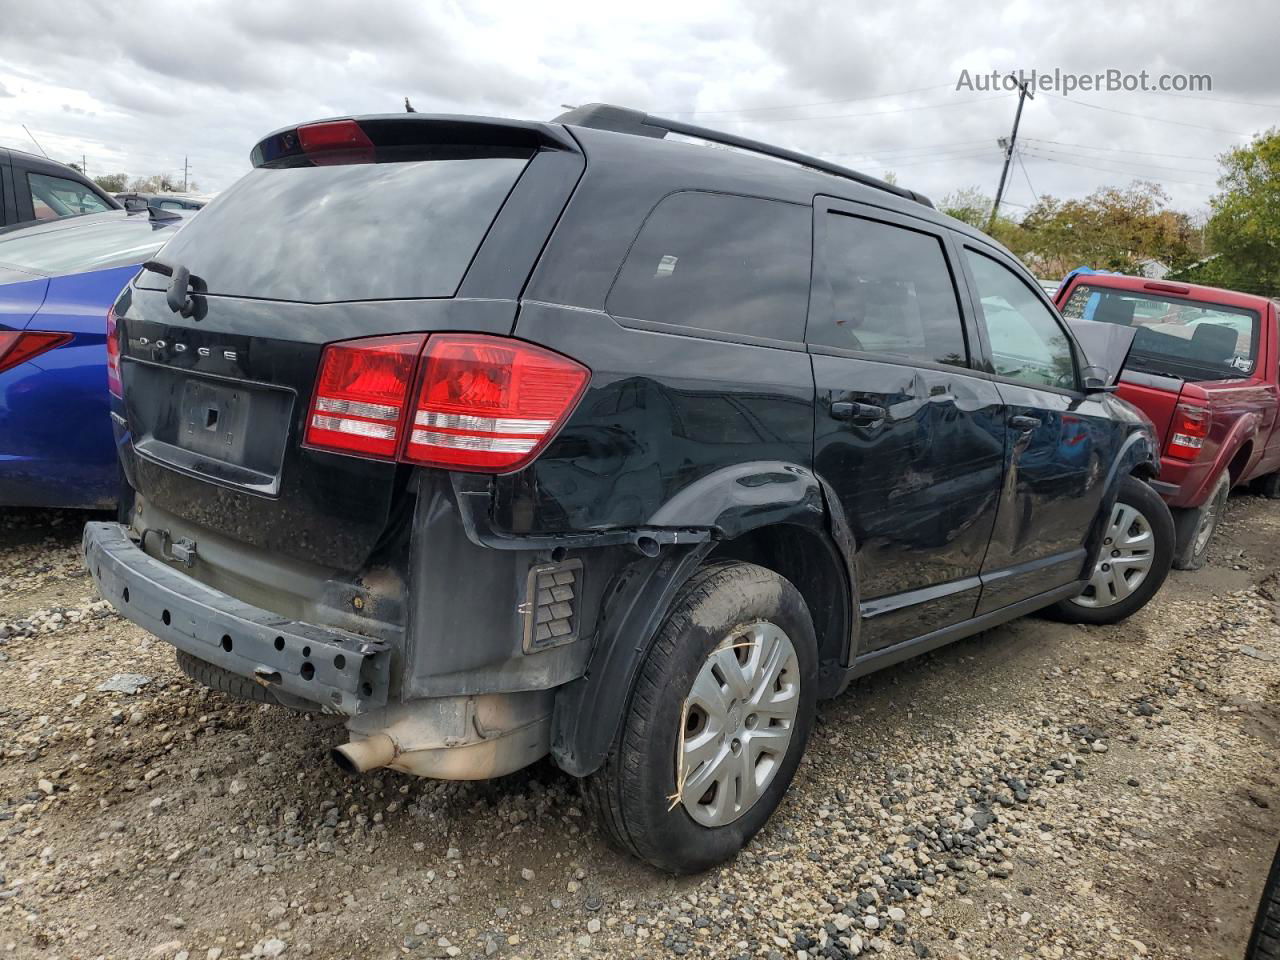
<point>1024,423</point>
<point>857,412</point>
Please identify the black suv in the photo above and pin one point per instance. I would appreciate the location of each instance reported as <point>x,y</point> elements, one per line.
<point>504,439</point>
<point>36,188</point>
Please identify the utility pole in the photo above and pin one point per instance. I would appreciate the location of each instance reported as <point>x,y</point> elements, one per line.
<point>84,165</point>
<point>1009,146</point>
<point>186,168</point>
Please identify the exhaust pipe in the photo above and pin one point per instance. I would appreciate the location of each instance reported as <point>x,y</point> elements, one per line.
<point>361,756</point>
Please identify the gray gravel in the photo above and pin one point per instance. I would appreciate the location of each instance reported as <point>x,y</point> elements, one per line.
<point>1041,791</point>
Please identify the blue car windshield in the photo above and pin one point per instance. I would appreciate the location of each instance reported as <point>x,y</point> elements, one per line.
<point>79,248</point>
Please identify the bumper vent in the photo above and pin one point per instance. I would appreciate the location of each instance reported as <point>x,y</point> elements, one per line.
<point>551,608</point>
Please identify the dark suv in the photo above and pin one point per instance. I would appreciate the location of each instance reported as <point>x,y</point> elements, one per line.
<point>504,439</point>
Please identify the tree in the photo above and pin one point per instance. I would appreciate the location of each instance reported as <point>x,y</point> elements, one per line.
<point>969,205</point>
<point>156,183</point>
<point>1111,229</point>
<point>1244,227</point>
<point>112,182</point>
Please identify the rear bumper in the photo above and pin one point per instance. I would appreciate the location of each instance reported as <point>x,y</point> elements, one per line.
<point>1184,484</point>
<point>340,672</point>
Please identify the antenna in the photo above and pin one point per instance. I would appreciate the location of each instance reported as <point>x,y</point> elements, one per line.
<point>35,141</point>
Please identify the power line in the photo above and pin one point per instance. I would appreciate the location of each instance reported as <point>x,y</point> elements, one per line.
<point>903,150</point>
<point>801,106</point>
<point>1121,162</point>
<point>1130,173</point>
<point>1027,177</point>
<point>1193,96</point>
<point>874,113</point>
<point>1144,153</point>
<point>1144,116</point>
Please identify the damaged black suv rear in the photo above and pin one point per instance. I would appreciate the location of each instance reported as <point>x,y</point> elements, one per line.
<point>507,439</point>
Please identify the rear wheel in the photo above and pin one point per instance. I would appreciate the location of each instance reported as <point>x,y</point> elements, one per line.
<point>716,724</point>
<point>1268,486</point>
<point>1194,526</point>
<point>1265,942</point>
<point>1137,550</point>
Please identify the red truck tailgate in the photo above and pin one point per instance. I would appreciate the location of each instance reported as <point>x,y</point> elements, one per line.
<point>1154,395</point>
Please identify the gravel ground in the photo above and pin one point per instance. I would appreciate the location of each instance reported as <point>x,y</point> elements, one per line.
<point>1039,791</point>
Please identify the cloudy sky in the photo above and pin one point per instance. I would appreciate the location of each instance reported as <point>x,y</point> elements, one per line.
<point>136,87</point>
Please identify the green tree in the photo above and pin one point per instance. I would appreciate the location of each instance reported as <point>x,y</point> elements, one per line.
<point>1244,227</point>
<point>112,182</point>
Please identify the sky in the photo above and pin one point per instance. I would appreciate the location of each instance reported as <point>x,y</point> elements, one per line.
<point>141,87</point>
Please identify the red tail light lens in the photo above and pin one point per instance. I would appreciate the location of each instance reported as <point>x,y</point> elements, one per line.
<point>17,346</point>
<point>362,394</point>
<point>487,404</point>
<point>490,404</point>
<point>1187,432</point>
<point>335,142</point>
<point>113,355</point>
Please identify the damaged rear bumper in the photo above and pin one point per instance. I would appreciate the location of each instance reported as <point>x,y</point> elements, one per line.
<point>338,671</point>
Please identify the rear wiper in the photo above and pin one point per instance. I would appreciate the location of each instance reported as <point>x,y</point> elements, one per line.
<point>181,286</point>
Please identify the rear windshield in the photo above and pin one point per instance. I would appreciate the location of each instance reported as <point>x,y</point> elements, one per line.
<point>84,246</point>
<point>348,232</point>
<point>1182,338</point>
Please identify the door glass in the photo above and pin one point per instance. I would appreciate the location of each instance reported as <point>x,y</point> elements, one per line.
<point>710,261</point>
<point>1028,342</point>
<point>53,197</point>
<point>891,293</point>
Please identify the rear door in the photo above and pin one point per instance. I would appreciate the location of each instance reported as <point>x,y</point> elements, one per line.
<point>1060,444</point>
<point>907,433</point>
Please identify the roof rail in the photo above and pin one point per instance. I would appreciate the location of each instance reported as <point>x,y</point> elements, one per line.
<point>604,116</point>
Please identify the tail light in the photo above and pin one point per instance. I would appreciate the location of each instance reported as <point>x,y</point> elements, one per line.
<point>335,142</point>
<point>18,346</point>
<point>1188,431</point>
<point>361,395</point>
<point>483,403</point>
<point>113,355</point>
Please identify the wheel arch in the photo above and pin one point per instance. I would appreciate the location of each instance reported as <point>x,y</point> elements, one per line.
<point>776,514</point>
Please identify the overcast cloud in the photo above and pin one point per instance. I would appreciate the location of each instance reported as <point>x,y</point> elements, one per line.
<point>135,87</point>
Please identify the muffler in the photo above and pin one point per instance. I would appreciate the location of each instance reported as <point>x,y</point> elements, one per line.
<point>361,756</point>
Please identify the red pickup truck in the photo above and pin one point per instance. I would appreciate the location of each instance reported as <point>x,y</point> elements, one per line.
<point>1203,367</point>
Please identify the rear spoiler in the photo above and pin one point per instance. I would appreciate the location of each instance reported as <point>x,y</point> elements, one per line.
<point>360,139</point>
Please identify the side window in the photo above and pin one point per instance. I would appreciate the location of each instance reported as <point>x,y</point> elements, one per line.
<point>717,262</point>
<point>891,293</point>
<point>53,197</point>
<point>1028,342</point>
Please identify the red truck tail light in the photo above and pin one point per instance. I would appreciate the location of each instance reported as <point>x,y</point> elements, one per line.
<point>483,403</point>
<point>1187,432</point>
<point>361,395</point>
<point>490,404</point>
<point>113,355</point>
<point>18,346</point>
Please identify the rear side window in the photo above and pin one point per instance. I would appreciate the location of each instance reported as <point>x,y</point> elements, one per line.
<point>711,261</point>
<point>363,231</point>
<point>891,292</point>
<point>54,197</point>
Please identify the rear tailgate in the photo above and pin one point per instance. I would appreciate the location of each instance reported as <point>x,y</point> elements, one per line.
<point>290,258</point>
<point>1155,395</point>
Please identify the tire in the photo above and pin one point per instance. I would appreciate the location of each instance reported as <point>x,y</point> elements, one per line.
<point>1194,526</point>
<point>233,685</point>
<point>1268,486</point>
<point>1265,942</point>
<point>1146,504</point>
<point>634,795</point>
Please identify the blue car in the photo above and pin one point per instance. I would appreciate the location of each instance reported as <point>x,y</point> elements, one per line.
<point>57,281</point>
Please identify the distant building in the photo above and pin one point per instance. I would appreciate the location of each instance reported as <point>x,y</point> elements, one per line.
<point>1153,269</point>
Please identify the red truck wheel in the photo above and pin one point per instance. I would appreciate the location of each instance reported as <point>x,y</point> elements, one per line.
<point>1195,526</point>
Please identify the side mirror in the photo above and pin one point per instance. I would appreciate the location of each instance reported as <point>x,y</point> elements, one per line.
<point>1097,380</point>
<point>135,204</point>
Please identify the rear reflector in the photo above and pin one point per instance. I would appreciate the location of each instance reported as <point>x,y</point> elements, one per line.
<point>361,395</point>
<point>113,355</point>
<point>484,403</point>
<point>335,142</point>
<point>1187,432</point>
<point>489,403</point>
<point>18,347</point>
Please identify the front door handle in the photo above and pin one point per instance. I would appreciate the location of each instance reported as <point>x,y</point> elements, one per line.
<point>856,412</point>
<point>1024,423</point>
